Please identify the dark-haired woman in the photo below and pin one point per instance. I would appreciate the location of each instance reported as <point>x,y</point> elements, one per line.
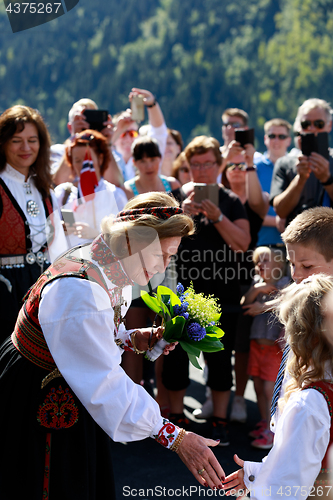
<point>106,199</point>
<point>146,159</point>
<point>26,204</point>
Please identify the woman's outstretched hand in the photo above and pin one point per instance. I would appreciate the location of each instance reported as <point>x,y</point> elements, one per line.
<point>195,453</point>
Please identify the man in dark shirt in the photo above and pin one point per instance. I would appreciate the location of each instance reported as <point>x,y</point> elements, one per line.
<point>301,182</point>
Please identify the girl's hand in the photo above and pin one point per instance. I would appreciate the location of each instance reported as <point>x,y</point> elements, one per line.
<point>253,309</point>
<point>265,287</point>
<point>234,483</point>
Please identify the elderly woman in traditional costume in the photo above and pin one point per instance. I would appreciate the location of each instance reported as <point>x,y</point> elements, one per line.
<point>63,391</point>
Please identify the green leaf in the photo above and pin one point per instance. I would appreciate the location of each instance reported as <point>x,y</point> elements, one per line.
<point>206,345</point>
<point>214,331</point>
<point>152,302</point>
<point>174,329</point>
<point>166,312</point>
<point>194,360</point>
<point>165,291</point>
<point>189,348</point>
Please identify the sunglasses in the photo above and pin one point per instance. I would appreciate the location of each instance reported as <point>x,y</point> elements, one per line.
<point>282,137</point>
<point>233,166</point>
<point>233,124</point>
<point>131,133</point>
<point>305,124</point>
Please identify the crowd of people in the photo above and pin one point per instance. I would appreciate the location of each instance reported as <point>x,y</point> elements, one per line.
<point>117,207</point>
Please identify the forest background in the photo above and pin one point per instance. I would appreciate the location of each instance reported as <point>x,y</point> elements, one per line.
<point>198,58</point>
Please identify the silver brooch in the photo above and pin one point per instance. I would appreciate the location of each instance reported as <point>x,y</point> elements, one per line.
<point>32,208</point>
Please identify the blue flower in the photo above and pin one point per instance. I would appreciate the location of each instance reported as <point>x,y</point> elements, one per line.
<point>185,315</point>
<point>195,331</point>
<point>184,305</point>
<point>180,288</point>
<point>177,309</point>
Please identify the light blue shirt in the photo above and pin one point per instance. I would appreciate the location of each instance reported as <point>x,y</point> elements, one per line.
<point>267,235</point>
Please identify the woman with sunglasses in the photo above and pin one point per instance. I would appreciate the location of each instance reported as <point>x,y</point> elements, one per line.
<point>299,181</point>
<point>104,198</point>
<point>30,227</point>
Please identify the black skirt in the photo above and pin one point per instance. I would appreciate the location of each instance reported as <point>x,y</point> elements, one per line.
<point>49,441</point>
<point>21,279</point>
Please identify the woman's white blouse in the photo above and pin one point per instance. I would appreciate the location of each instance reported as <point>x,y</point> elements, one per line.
<point>78,324</point>
<point>301,438</point>
<point>15,181</point>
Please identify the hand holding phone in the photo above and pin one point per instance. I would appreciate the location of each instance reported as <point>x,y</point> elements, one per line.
<point>96,118</point>
<point>138,108</point>
<point>245,136</point>
<point>206,192</point>
<point>68,217</point>
<point>311,143</point>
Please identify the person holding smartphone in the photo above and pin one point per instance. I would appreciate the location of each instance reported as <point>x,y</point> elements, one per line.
<point>78,121</point>
<point>303,182</point>
<point>241,177</point>
<point>127,129</point>
<point>208,259</point>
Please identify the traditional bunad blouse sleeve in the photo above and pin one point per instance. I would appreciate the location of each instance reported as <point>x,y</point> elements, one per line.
<point>301,438</point>
<point>78,324</point>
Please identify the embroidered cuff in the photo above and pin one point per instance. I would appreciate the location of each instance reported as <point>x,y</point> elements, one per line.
<point>123,339</point>
<point>167,434</point>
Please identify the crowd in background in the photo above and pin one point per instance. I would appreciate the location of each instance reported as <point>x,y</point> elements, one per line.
<point>237,252</point>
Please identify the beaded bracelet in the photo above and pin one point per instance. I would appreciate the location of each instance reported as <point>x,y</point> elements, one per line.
<point>179,439</point>
<point>136,350</point>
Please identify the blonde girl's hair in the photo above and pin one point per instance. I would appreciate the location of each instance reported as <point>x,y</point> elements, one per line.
<point>301,311</point>
<point>146,227</point>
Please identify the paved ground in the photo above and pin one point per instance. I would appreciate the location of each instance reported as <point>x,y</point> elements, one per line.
<point>147,471</point>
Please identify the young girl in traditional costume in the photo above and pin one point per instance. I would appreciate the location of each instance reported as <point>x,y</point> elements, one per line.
<point>297,464</point>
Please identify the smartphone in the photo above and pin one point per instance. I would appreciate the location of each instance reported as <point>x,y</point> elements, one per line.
<point>138,108</point>
<point>245,136</point>
<point>68,217</point>
<point>206,191</point>
<point>312,143</point>
<point>96,118</point>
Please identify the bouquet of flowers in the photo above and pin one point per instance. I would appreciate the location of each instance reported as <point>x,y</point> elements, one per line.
<point>189,318</point>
